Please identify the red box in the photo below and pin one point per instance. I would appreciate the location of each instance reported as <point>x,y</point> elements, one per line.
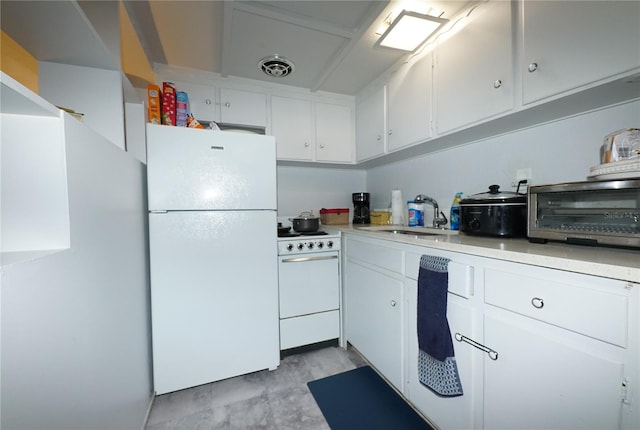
<point>334,216</point>
<point>168,103</point>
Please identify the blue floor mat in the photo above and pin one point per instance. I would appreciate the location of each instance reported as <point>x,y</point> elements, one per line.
<point>361,399</point>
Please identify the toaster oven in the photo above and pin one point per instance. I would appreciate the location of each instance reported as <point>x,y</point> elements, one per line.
<point>586,213</point>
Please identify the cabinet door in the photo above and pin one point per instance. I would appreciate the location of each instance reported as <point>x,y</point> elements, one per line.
<point>445,412</point>
<point>370,125</point>
<point>243,107</point>
<point>409,104</point>
<point>374,319</point>
<point>201,100</point>
<point>568,44</point>
<point>292,127</point>
<point>334,133</point>
<point>543,379</point>
<point>470,88</point>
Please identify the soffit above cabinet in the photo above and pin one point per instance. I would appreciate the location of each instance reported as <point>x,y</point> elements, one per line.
<point>56,31</point>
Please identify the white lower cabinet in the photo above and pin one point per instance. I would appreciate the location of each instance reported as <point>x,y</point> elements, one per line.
<point>564,350</point>
<point>373,309</point>
<point>445,412</point>
<point>546,379</point>
<point>536,348</point>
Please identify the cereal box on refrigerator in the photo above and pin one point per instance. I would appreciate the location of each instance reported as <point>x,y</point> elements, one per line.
<point>168,103</point>
<point>153,100</point>
<point>182,108</point>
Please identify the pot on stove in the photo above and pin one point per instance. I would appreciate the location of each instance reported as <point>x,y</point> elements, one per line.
<point>306,222</point>
<point>494,213</point>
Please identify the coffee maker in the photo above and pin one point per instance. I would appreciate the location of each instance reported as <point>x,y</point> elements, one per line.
<point>361,208</point>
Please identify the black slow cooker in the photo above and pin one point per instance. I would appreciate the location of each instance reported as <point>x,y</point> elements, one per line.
<point>494,213</point>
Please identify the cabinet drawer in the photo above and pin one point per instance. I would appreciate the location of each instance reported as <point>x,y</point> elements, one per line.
<point>591,312</point>
<point>460,275</point>
<point>384,257</point>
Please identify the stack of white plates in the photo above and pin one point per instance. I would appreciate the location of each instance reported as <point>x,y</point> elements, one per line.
<point>625,169</point>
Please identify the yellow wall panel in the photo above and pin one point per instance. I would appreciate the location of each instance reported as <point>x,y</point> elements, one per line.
<point>134,61</point>
<point>16,62</point>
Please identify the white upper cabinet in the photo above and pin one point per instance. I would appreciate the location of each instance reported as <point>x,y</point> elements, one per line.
<point>334,133</point>
<point>409,104</point>
<point>291,124</point>
<point>96,93</point>
<point>202,100</point>
<point>569,44</point>
<point>473,74</point>
<point>312,131</point>
<point>243,107</point>
<point>370,125</point>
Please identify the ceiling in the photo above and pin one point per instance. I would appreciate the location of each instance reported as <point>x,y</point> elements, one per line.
<point>330,42</point>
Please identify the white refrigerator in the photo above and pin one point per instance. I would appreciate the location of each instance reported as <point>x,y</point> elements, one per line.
<point>213,250</point>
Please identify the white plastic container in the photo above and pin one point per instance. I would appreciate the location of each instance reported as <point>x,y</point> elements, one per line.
<point>415,212</point>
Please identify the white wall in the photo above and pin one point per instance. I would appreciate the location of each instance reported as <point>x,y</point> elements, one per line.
<point>313,188</point>
<point>76,324</point>
<point>559,151</point>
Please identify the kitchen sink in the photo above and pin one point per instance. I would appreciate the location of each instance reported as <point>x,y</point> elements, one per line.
<point>409,231</point>
<point>412,232</point>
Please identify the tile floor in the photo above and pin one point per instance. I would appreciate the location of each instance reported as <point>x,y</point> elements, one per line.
<point>278,399</point>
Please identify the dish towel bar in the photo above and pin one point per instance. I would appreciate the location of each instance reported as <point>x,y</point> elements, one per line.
<point>437,368</point>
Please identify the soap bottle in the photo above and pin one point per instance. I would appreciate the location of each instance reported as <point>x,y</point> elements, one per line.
<point>454,219</point>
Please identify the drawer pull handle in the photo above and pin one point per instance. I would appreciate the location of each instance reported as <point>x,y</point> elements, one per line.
<point>492,354</point>
<point>393,303</point>
<point>537,302</point>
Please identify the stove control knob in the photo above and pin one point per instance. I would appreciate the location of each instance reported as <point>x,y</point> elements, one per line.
<point>330,244</point>
<point>320,245</point>
<point>310,245</point>
<point>300,246</point>
<point>290,247</point>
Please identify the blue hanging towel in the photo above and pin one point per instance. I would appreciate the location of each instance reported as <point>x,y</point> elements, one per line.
<point>437,366</point>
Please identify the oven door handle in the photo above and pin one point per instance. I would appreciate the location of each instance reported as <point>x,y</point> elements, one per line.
<point>305,259</point>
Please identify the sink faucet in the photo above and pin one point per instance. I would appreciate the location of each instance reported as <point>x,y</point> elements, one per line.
<point>438,217</point>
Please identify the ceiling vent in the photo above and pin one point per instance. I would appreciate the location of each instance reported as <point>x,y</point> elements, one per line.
<point>276,66</point>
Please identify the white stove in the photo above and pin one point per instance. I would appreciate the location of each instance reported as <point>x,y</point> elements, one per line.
<point>309,285</point>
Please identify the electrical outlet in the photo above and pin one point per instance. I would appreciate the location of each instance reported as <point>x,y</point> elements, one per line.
<point>523,174</point>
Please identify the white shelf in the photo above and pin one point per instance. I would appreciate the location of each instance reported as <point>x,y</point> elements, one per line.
<point>8,259</point>
<point>16,99</point>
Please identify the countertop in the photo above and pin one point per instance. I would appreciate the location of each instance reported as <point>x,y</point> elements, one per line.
<point>615,263</point>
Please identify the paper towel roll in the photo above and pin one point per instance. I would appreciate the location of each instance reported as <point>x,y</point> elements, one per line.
<point>397,208</point>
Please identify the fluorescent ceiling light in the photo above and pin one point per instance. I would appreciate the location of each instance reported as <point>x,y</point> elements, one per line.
<point>410,30</point>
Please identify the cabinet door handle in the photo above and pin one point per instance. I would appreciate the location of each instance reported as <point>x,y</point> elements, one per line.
<point>378,137</point>
<point>532,67</point>
<point>322,146</point>
<point>393,303</point>
<point>306,144</point>
<point>537,302</point>
<point>227,104</point>
<point>390,132</point>
<point>492,354</point>
<point>497,83</point>
<point>207,101</point>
